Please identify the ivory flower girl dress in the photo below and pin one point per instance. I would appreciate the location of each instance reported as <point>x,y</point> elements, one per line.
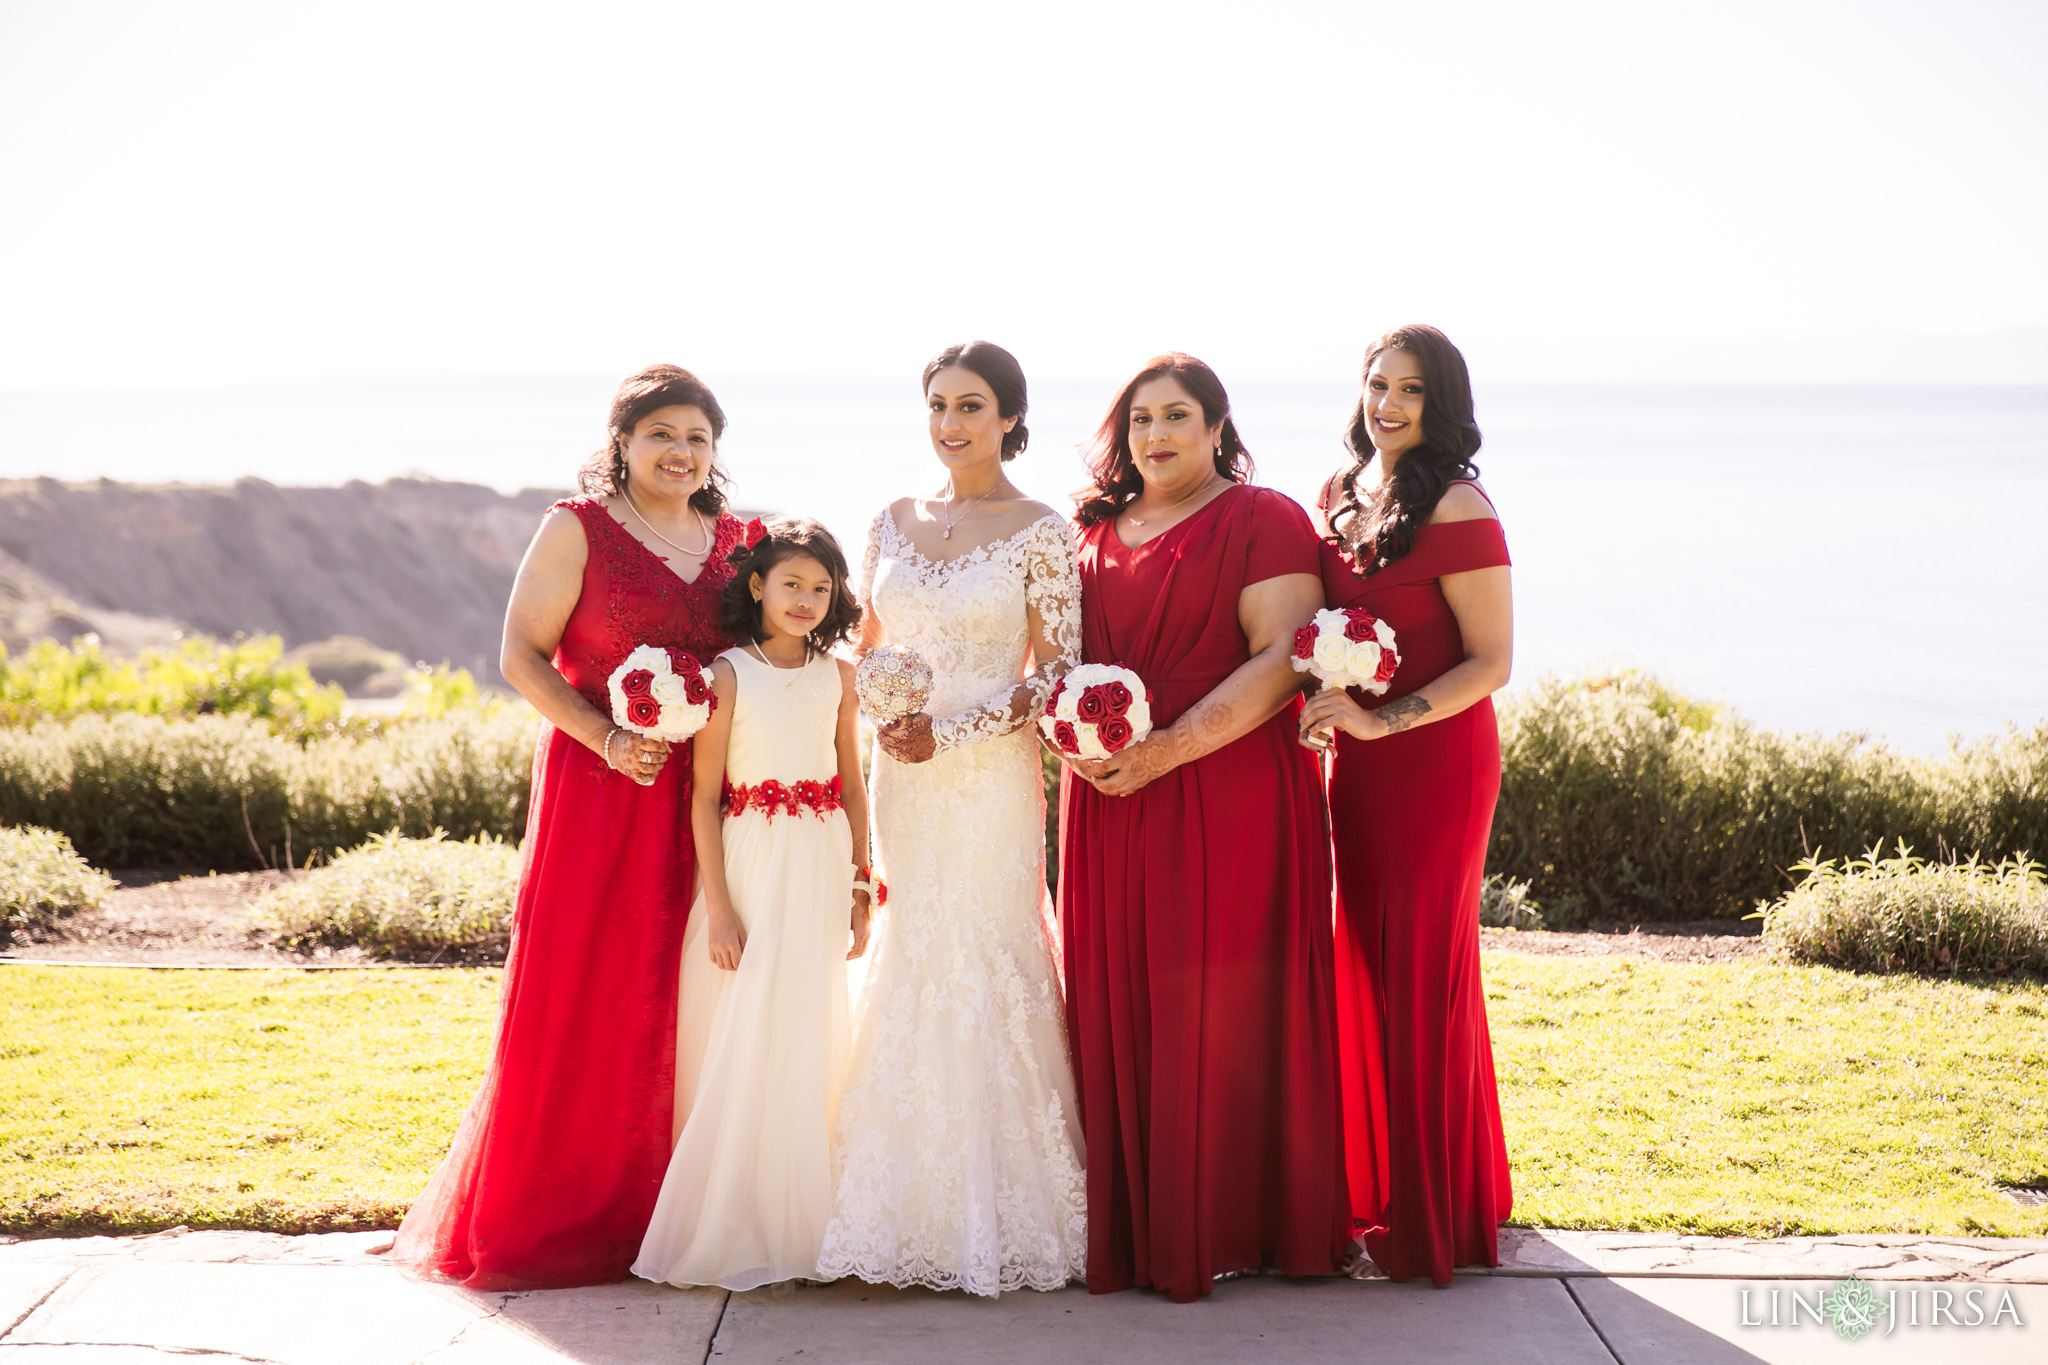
<point>762,1051</point>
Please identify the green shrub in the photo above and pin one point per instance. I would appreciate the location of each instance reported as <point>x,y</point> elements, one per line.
<point>1903,914</point>
<point>401,897</point>
<point>1622,799</point>
<point>42,876</point>
<point>1505,904</point>
<point>200,677</point>
<point>223,792</point>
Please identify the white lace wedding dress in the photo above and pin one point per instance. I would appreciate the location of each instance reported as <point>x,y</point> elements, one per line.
<point>958,1164</point>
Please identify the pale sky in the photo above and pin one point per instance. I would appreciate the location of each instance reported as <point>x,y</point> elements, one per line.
<point>210,194</point>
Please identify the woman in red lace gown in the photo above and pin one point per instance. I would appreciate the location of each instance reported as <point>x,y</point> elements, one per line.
<point>1194,884</point>
<point>1412,788</point>
<point>555,1168</point>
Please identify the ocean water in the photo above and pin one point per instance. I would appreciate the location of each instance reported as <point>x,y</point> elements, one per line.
<point>1829,559</point>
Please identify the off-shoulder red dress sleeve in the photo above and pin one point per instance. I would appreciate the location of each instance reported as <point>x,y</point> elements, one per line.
<point>1200,993</point>
<point>1411,815</point>
<point>555,1168</point>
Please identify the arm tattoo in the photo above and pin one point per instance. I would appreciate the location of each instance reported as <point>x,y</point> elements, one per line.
<point>1403,712</point>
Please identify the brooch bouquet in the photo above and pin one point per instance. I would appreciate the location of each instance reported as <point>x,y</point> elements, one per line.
<point>892,682</point>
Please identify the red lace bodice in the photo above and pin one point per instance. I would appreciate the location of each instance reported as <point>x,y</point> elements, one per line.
<point>632,597</point>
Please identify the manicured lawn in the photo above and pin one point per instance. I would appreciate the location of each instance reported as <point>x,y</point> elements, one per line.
<point>1723,1098</point>
<point>132,1100</point>
<point>1763,1099</point>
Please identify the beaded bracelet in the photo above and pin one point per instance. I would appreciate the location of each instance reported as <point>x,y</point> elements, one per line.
<point>615,730</point>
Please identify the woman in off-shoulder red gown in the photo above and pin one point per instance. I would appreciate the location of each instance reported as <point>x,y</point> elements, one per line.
<point>1196,909</point>
<point>1411,814</point>
<point>556,1166</point>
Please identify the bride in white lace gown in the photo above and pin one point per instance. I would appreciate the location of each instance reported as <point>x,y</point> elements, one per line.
<point>958,1149</point>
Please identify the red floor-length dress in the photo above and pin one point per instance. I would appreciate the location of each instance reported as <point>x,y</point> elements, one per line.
<point>1411,815</point>
<point>1200,994</point>
<point>555,1168</point>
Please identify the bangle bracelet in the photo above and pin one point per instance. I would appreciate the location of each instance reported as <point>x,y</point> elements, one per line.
<point>615,730</point>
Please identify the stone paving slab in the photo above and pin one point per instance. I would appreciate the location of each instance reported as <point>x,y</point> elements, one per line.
<point>1499,1321</point>
<point>1671,1321</point>
<point>1887,1256</point>
<point>1559,1297</point>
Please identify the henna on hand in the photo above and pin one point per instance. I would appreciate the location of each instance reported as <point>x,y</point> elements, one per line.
<point>1402,713</point>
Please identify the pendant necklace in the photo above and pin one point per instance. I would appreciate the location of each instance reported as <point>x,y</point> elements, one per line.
<point>1205,485</point>
<point>694,554</point>
<point>951,522</point>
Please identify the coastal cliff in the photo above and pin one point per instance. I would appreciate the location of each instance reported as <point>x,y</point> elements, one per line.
<point>415,566</point>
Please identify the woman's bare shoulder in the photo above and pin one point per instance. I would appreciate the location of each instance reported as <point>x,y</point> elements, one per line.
<point>1463,502</point>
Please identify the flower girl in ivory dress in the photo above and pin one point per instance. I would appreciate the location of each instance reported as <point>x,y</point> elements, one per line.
<point>778,813</point>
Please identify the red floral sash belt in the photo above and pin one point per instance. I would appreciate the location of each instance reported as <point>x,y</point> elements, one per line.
<point>773,798</point>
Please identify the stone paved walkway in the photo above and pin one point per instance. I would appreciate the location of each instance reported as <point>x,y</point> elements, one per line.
<point>1596,1298</point>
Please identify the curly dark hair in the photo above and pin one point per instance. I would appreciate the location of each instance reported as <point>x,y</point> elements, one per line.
<point>1378,529</point>
<point>786,538</point>
<point>998,369</point>
<point>1117,479</point>
<point>657,386</point>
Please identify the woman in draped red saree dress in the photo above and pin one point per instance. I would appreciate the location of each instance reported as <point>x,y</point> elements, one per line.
<point>1413,782</point>
<point>556,1166</point>
<point>1194,886</point>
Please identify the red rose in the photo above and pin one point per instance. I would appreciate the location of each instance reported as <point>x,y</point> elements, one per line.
<point>1305,643</point>
<point>696,689</point>
<point>1063,735</point>
<point>1093,705</point>
<point>1119,697</point>
<point>1358,625</point>
<point>881,893</point>
<point>1389,661</point>
<point>1114,733</point>
<point>682,663</point>
<point>638,683</point>
<point>1052,702</point>
<point>644,712</point>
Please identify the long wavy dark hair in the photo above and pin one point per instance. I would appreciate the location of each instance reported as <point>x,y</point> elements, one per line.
<point>1380,528</point>
<point>998,369</point>
<point>1117,479</point>
<point>656,387</point>
<point>786,538</point>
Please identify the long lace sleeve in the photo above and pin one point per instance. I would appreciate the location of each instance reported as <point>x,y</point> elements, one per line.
<point>1052,595</point>
<point>870,633</point>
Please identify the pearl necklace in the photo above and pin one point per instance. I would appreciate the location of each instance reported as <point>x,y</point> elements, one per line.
<point>798,671</point>
<point>693,554</point>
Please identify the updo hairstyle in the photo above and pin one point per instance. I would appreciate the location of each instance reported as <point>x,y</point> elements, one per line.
<point>998,369</point>
<point>654,388</point>
<point>786,538</point>
<point>1117,479</point>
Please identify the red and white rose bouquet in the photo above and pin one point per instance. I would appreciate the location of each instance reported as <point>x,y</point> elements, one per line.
<point>662,694</point>
<point>1097,710</point>
<point>1347,648</point>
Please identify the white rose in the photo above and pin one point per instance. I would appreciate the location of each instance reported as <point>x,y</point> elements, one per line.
<point>1362,660</point>
<point>1384,631</point>
<point>670,690</point>
<point>1331,650</point>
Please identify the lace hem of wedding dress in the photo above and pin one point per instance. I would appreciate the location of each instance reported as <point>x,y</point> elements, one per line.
<point>1052,590</point>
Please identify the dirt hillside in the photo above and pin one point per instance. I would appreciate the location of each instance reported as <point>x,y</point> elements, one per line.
<point>415,566</point>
